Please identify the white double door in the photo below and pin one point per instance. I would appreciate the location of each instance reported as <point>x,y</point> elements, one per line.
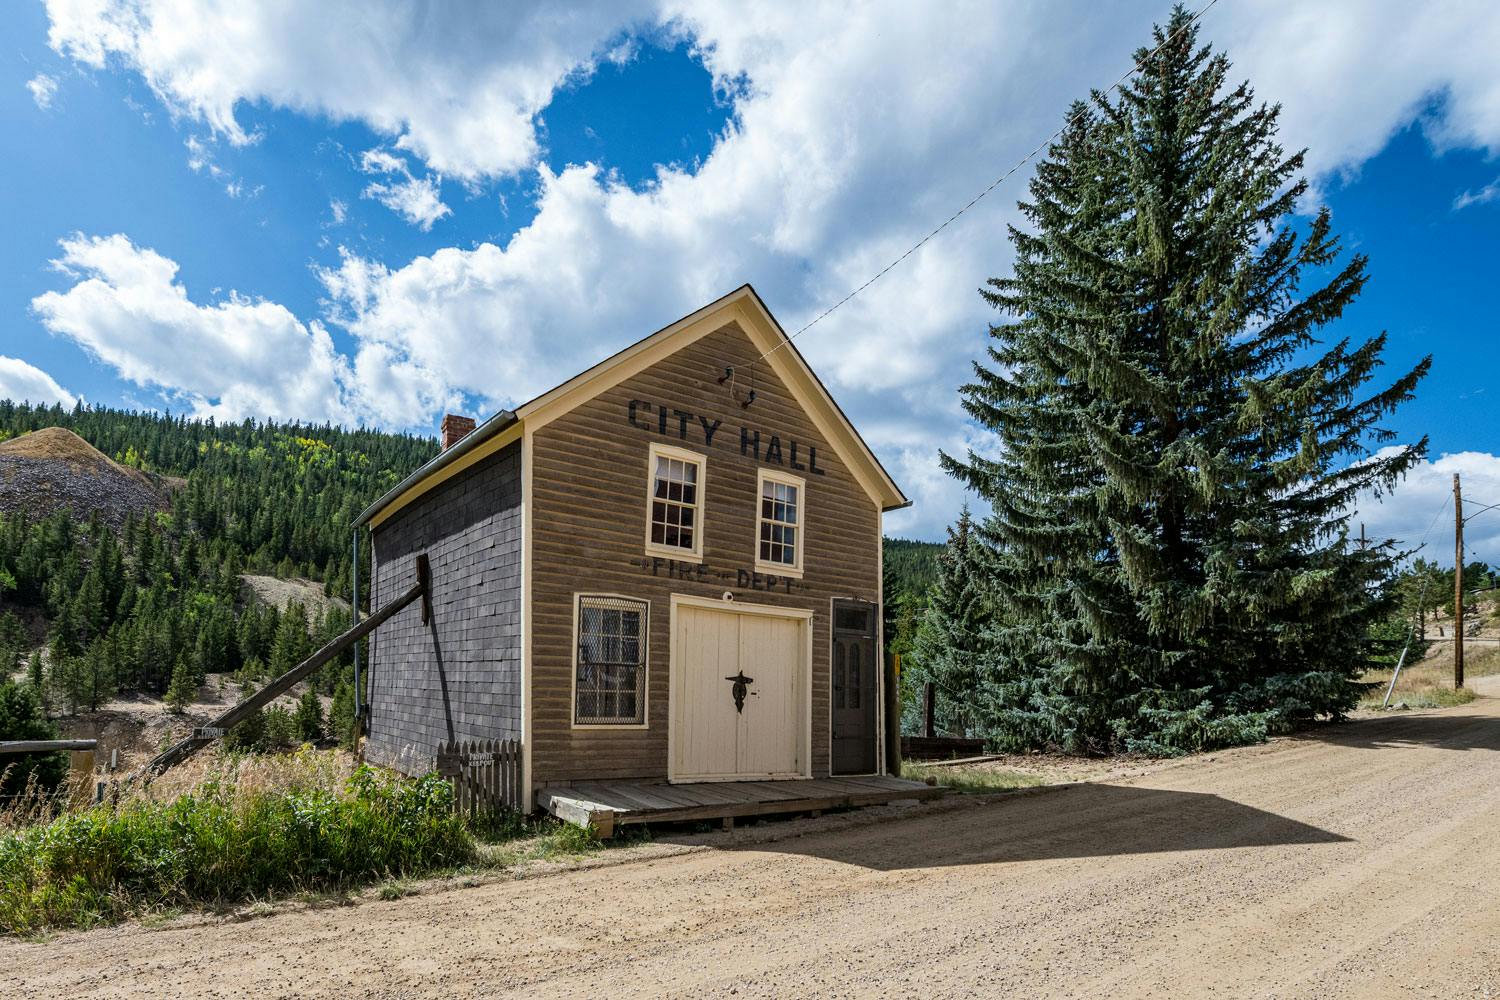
<point>757,731</point>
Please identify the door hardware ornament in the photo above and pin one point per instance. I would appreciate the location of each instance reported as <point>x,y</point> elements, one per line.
<point>741,686</point>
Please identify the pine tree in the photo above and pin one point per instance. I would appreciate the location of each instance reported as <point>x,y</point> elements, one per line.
<point>36,676</point>
<point>10,656</point>
<point>1179,447</point>
<point>249,733</point>
<point>69,680</point>
<point>292,643</point>
<point>96,677</point>
<point>63,636</point>
<point>12,632</point>
<point>341,720</point>
<point>184,686</point>
<point>950,645</point>
<point>1422,589</point>
<point>22,717</point>
<point>279,731</point>
<point>309,717</point>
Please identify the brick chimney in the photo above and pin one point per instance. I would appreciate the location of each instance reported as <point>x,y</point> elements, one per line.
<point>454,429</point>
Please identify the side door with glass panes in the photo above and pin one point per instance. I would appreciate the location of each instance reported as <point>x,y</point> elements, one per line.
<point>854,690</point>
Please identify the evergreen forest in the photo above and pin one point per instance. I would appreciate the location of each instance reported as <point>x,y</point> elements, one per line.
<point>88,612</point>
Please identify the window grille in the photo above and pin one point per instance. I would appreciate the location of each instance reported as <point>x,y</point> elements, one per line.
<point>611,665</point>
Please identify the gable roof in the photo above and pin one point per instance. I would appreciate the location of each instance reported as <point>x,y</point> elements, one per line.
<point>743,304</point>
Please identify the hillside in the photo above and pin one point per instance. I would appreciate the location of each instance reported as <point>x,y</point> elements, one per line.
<point>142,553</point>
<point>910,567</point>
<point>282,594</point>
<point>55,469</point>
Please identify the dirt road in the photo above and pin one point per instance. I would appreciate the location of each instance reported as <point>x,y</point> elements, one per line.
<point>1360,862</point>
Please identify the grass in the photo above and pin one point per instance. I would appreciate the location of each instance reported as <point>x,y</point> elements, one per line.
<point>1429,682</point>
<point>394,890</point>
<point>231,838</point>
<point>1437,698</point>
<point>238,828</point>
<point>972,780</point>
<point>228,829</point>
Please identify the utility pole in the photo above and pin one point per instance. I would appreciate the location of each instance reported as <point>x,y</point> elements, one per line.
<point>1458,584</point>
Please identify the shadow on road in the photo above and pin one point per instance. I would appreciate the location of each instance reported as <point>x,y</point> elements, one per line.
<point>1472,727</point>
<point>1077,821</point>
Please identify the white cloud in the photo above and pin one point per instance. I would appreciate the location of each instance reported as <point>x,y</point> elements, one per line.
<point>1484,195</point>
<point>237,357</point>
<point>338,211</point>
<point>855,131</point>
<point>1421,507</point>
<point>20,381</point>
<point>43,89</point>
<point>458,86</point>
<point>418,200</point>
<point>1350,73</point>
<point>379,161</point>
<point>813,189</point>
<point>201,158</point>
<point>237,189</point>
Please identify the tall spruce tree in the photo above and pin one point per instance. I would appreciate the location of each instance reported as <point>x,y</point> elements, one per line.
<point>1172,569</point>
<point>950,644</point>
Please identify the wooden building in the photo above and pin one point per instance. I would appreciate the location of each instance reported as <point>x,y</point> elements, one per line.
<point>667,568</point>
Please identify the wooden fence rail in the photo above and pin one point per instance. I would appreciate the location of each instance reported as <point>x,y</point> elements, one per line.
<point>485,774</point>
<point>45,746</point>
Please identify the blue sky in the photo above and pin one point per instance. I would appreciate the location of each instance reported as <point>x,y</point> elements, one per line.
<point>465,206</point>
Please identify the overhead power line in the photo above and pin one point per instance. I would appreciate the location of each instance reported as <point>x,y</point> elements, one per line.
<point>993,184</point>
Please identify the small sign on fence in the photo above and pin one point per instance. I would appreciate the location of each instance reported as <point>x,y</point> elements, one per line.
<point>485,774</point>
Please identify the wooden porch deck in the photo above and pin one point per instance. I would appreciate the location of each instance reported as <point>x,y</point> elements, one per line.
<point>607,804</point>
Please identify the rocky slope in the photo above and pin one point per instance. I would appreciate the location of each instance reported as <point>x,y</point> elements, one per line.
<point>54,468</point>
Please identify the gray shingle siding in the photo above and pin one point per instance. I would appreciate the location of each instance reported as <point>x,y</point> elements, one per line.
<point>460,676</point>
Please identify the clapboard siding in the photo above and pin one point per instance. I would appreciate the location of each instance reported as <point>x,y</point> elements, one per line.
<point>588,494</point>
<point>458,678</point>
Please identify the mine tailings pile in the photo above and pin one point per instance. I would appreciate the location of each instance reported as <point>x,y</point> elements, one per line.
<point>54,468</point>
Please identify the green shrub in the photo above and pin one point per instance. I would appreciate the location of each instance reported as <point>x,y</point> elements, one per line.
<point>280,731</point>
<point>247,734</point>
<point>250,673</point>
<point>309,717</point>
<point>223,843</point>
<point>497,825</point>
<point>341,715</point>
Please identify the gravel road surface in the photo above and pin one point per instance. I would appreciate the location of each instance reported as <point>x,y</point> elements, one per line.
<point>1361,861</point>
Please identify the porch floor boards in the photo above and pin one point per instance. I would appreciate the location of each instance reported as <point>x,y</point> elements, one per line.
<point>607,804</point>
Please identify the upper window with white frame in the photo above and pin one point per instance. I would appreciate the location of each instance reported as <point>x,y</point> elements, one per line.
<point>779,524</point>
<point>674,506</point>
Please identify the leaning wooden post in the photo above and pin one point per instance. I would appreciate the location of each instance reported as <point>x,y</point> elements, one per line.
<point>929,709</point>
<point>226,721</point>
